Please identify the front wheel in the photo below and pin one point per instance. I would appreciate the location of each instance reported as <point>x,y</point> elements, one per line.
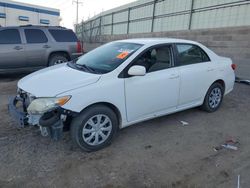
<point>94,128</point>
<point>213,98</point>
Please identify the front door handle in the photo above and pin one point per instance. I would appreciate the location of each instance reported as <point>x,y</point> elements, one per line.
<point>18,48</point>
<point>46,46</point>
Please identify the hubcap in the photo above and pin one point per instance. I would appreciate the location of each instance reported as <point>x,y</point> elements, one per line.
<point>215,97</point>
<point>59,61</point>
<point>97,129</point>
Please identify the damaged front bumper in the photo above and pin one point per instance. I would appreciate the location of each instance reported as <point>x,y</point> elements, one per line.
<point>19,114</point>
<point>50,123</point>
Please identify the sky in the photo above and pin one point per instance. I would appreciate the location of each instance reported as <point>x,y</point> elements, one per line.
<point>87,9</point>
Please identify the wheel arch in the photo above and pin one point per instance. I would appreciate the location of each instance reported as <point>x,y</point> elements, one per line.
<point>222,82</point>
<point>64,53</point>
<point>109,105</point>
<point>204,105</point>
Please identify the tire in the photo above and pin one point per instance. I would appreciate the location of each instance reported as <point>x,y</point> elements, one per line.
<point>213,98</point>
<point>57,59</point>
<point>48,119</point>
<point>88,121</point>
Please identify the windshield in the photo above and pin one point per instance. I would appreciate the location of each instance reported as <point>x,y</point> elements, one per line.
<point>107,57</point>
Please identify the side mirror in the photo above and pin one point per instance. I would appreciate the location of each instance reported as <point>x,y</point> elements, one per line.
<point>137,70</point>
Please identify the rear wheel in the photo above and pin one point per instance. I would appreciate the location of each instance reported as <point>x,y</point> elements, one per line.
<point>94,128</point>
<point>213,98</point>
<point>57,59</point>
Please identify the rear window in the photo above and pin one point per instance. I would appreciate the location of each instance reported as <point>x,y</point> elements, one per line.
<point>10,36</point>
<point>191,54</point>
<point>63,35</point>
<point>35,36</point>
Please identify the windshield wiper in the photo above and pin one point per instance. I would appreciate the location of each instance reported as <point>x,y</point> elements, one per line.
<point>85,67</point>
<point>79,66</point>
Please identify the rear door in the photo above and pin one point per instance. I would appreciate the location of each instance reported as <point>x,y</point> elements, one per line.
<point>37,47</point>
<point>12,52</point>
<point>196,73</point>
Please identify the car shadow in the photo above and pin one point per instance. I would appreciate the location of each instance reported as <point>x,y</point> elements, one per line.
<point>9,77</point>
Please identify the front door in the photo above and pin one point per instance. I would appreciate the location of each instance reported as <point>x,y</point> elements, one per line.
<point>12,52</point>
<point>156,92</point>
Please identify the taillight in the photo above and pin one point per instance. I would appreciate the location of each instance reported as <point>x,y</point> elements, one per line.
<point>233,66</point>
<point>79,47</point>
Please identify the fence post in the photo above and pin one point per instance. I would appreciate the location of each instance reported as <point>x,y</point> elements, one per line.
<point>128,20</point>
<point>100,29</point>
<point>112,23</point>
<point>191,15</point>
<point>91,31</point>
<point>82,32</point>
<point>153,17</point>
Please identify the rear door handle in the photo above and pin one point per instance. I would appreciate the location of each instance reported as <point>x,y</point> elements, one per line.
<point>18,48</point>
<point>46,46</point>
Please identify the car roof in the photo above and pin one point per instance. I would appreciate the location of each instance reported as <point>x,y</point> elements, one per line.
<point>152,41</point>
<point>35,26</point>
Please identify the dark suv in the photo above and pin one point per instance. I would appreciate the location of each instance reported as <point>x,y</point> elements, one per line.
<point>34,47</point>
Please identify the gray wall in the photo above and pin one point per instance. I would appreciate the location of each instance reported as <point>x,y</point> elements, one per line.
<point>230,42</point>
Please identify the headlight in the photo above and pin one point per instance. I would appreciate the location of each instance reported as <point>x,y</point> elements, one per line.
<point>42,105</point>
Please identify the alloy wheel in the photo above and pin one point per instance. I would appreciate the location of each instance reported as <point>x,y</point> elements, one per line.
<point>59,61</point>
<point>215,98</point>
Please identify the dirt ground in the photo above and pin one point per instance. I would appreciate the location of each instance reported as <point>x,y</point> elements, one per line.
<point>156,153</point>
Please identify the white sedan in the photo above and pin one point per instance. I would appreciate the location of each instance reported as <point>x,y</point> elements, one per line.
<point>119,84</point>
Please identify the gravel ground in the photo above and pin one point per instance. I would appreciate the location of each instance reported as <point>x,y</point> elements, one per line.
<point>156,153</point>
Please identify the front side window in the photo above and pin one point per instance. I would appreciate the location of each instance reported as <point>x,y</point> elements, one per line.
<point>10,36</point>
<point>155,59</point>
<point>107,57</point>
<point>191,54</point>
<point>35,36</point>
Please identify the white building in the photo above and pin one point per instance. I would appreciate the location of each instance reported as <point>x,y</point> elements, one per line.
<point>15,13</point>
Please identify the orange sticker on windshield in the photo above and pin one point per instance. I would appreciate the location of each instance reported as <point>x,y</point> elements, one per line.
<point>122,55</point>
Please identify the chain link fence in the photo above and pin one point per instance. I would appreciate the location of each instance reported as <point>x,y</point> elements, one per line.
<point>145,16</point>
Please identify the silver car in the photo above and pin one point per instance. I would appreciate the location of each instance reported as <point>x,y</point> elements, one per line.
<point>35,47</point>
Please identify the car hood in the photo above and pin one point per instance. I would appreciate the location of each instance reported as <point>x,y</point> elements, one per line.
<point>55,80</point>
